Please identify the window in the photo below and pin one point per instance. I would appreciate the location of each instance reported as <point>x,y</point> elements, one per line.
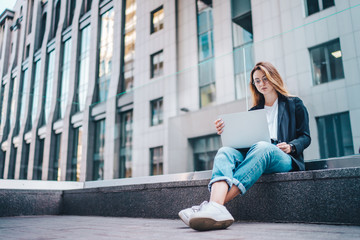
<point>42,31</point>
<point>2,108</point>
<point>242,45</point>
<point>56,17</point>
<point>156,112</point>
<point>37,170</point>
<point>206,53</point>
<point>12,162</point>
<point>98,165</point>
<point>129,37</point>
<point>14,88</point>
<point>2,163</point>
<point>326,62</point>
<point>86,6</point>
<point>335,136</point>
<point>126,129</point>
<point>25,161</point>
<point>205,149</point>
<point>54,168</point>
<point>71,10</point>
<point>83,77</point>
<point>35,91</point>
<point>157,64</point>
<point>49,85</point>
<point>65,78</point>
<point>23,97</point>
<point>105,54</point>
<point>156,161</point>
<point>157,19</point>
<point>75,163</point>
<point>30,16</point>
<point>314,6</point>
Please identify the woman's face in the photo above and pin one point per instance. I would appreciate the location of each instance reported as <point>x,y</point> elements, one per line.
<point>262,84</point>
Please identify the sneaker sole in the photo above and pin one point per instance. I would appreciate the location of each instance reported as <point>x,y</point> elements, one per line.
<point>204,224</point>
<point>182,217</point>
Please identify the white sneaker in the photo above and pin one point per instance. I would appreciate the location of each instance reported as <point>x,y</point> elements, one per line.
<point>185,214</point>
<point>211,216</point>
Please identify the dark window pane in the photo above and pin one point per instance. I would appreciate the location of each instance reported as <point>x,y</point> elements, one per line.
<point>312,6</point>
<point>335,136</point>
<point>328,3</point>
<point>156,161</point>
<point>25,162</point>
<point>205,149</point>
<point>98,164</point>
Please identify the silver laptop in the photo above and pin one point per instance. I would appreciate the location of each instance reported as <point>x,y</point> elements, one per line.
<point>243,129</point>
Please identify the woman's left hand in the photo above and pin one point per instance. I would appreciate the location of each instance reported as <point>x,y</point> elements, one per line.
<point>286,148</point>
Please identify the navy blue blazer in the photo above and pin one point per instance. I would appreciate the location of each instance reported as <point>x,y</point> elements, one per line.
<point>293,127</point>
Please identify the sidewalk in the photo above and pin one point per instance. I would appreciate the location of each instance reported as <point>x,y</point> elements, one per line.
<point>85,227</point>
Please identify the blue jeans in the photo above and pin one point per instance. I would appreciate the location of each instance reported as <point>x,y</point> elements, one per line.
<point>244,168</point>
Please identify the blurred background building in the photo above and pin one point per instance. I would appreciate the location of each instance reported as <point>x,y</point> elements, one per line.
<point>103,89</point>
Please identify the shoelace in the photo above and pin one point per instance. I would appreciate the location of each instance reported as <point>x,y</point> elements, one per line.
<point>197,208</point>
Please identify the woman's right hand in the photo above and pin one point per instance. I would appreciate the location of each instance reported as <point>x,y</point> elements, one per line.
<point>219,125</point>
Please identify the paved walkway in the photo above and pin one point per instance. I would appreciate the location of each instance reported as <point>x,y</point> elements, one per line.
<point>78,227</point>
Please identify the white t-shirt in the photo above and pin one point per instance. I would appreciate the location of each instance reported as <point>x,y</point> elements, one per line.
<point>272,119</point>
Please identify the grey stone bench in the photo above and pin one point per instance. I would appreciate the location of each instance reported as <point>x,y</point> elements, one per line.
<point>313,196</point>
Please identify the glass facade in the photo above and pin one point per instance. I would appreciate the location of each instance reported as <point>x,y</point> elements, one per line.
<point>205,149</point>
<point>25,161</point>
<point>157,19</point>
<point>23,97</point>
<point>35,91</point>
<point>242,45</point>
<point>206,53</point>
<point>2,163</point>
<point>54,168</point>
<point>84,58</point>
<point>129,38</point>
<point>37,170</point>
<point>98,164</point>
<point>156,161</point>
<point>76,156</point>
<point>65,78</point>
<point>12,116</point>
<point>11,171</point>
<point>326,62</point>
<point>105,54</point>
<point>157,115</point>
<point>126,130</point>
<point>335,135</point>
<point>2,103</point>
<point>49,85</point>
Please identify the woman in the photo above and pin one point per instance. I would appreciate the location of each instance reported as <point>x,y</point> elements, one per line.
<point>236,170</point>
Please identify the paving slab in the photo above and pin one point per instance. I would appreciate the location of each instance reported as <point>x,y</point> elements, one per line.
<point>89,227</point>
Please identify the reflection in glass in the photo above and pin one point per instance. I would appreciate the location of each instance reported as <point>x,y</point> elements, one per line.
<point>65,77</point>
<point>157,20</point>
<point>206,53</point>
<point>76,156</point>
<point>83,78</point>
<point>14,85</point>
<point>55,169</point>
<point>23,97</point>
<point>335,135</point>
<point>105,55</point>
<point>327,62</point>
<point>49,85</point>
<point>129,38</point>
<point>157,64</point>
<point>156,112</point>
<point>35,92</point>
<point>156,161</point>
<point>37,169</point>
<point>98,164</point>
<point>25,162</point>
<point>125,165</point>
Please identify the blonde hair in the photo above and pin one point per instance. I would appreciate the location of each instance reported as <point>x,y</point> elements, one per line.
<point>274,79</point>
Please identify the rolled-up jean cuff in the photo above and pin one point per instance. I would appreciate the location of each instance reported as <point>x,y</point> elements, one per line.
<point>240,186</point>
<point>217,179</point>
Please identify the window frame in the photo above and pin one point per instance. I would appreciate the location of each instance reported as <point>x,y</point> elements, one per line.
<point>152,57</point>
<point>320,4</point>
<point>161,107</point>
<point>159,163</point>
<point>152,14</point>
